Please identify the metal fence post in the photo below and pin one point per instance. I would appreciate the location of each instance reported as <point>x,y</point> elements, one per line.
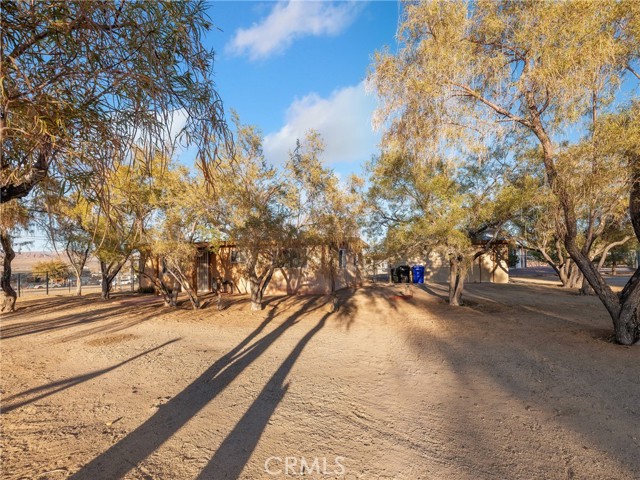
<point>19,292</point>
<point>46,279</point>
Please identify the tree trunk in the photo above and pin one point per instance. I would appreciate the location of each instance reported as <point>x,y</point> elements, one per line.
<point>191,293</point>
<point>586,289</point>
<point>256,293</point>
<point>170,297</point>
<point>36,173</point>
<point>575,277</point>
<point>456,280</point>
<point>258,283</point>
<point>78,281</point>
<point>10,296</point>
<point>161,288</point>
<point>107,279</point>
<point>219,300</point>
<point>105,285</point>
<point>564,278</point>
<point>562,268</point>
<point>109,272</point>
<point>623,309</point>
<point>77,260</point>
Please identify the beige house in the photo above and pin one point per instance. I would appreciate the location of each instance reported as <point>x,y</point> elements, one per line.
<point>302,271</point>
<point>491,267</point>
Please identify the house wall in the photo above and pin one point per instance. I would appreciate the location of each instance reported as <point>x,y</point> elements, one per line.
<point>490,267</point>
<point>152,266</point>
<point>310,279</point>
<point>148,268</point>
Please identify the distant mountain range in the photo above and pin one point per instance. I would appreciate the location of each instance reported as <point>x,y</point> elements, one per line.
<point>24,261</point>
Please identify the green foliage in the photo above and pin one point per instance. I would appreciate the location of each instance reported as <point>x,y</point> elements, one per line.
<point>246,198</point>
<point>470,75</point>
<point>84,77</point>
<point>56,269</point>
<point>424,206</point>
<point>13,215</point>
<point>325,210</point>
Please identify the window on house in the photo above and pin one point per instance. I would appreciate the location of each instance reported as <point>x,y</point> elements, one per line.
<point>342,258</point>
<point>236,256</point>
<point>292,258</point>
<point>296,258</point>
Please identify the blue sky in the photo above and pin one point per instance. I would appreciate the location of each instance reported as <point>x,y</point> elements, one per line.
<point>288,67</point>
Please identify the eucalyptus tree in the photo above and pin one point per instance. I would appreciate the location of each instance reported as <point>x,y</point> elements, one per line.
<point>78,71</point>
<point>531,68</point>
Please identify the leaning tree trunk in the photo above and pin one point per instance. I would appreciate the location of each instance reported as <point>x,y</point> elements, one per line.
<point>586,289</point>
<point>456,280</point>
<point>256,293</point>
<point>185,285</point>
<point>623,309</point>
<point>107,279</point>
<point>563,267</point>
<point>9,302</point>
<point>105,286</point>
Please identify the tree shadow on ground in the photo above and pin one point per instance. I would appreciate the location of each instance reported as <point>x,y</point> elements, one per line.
<point>38,393</point>
<point>525,356</point>
<point>236,449</point>
<point>106,318</point>
<point>371,297</point>
<point>430,290</point>
<point>54,303</point>
<point>121,457</point>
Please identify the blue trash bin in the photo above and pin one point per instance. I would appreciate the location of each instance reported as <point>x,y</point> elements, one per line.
<point>418,273</point>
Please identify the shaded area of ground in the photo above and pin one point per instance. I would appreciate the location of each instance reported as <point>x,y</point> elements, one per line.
<point>519,383</point>
<point>546,275</point>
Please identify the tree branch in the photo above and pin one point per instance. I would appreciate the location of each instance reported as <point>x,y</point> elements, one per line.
<point>497,108</point>
<point>36,173</point>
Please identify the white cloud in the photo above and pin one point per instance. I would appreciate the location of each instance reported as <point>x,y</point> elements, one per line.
<point>290,20</point>
<point>343,120</point>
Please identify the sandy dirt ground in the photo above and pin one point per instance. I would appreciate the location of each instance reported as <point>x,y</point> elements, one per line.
<point>522,383</point>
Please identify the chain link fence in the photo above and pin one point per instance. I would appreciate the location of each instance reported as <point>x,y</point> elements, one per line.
<point>45,284</point>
